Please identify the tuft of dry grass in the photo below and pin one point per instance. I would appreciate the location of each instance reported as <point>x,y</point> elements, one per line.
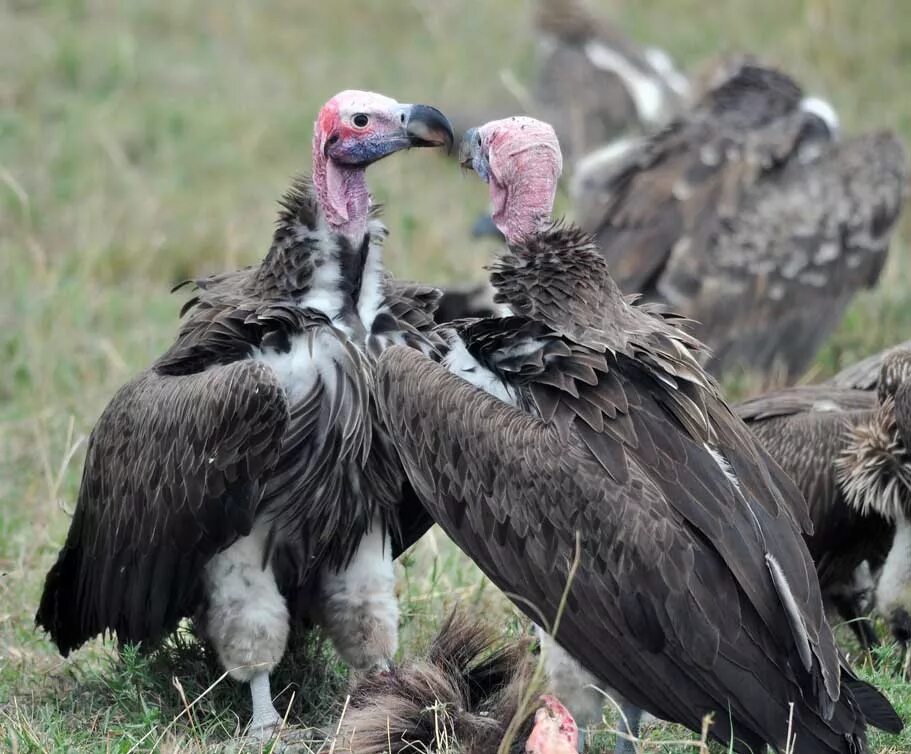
<point>145,142</point>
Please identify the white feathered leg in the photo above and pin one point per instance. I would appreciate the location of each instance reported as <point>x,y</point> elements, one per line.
<point>359,609</point>
<point>247,621</point>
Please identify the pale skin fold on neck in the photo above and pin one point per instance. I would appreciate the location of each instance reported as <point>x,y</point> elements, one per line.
<point>523,193</point>
<point>342,193</point>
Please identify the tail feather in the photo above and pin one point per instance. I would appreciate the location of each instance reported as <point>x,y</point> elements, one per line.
<point>462,695</point>
<point>57,614</point>
<point>877,709</point>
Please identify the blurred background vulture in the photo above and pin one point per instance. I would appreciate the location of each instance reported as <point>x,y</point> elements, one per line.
<point>592,82</point>
<point>577,452</point>
<point>845,448</point>
<point>244,478</point>
<point>748,216</point>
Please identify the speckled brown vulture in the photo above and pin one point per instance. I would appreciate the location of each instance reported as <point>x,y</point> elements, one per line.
<point>746,215</point>
<point>244,477</point>
<point>468,691</point>
<point>809,430</point>
<point>875,474</point>
<point>594,83</point>
<point>578,453</point>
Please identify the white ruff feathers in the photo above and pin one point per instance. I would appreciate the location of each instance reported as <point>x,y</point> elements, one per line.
<point>462,364</point>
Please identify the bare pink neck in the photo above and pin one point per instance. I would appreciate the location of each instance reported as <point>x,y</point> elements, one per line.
<point>523,207</point>
<point>343,196</point>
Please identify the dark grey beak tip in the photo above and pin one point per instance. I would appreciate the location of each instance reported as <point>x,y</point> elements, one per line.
<point>428,127</point>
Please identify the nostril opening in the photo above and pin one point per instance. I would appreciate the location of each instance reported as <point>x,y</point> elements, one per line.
<point>402,118</point>
<point>331,140</point>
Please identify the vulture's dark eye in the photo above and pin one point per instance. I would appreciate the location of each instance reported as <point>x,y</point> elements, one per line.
<point>360,120</point>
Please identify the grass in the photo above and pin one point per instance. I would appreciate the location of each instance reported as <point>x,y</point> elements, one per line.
<point>141,143</point>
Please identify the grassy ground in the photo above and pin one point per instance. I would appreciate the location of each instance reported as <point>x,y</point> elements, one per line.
<point>141,143</point>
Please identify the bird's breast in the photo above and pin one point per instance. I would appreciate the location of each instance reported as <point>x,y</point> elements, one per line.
<point>315,359</point>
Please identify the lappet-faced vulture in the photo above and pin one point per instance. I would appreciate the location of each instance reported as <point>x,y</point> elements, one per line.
<point>578,453</point>
<point>244,477</point>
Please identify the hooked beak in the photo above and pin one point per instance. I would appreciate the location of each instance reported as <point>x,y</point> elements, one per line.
<point>413,126</point>
<point>426,126</point>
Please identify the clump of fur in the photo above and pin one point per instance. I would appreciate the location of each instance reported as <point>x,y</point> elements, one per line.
<point>461,696</point>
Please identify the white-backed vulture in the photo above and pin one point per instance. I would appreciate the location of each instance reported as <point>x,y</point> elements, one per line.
<point>578,453</point>
<point>244,478</point>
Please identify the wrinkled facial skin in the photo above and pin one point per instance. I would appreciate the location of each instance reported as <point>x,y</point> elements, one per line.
<point>520,160</point>
<point>358,128</point>
<point>354,129</point>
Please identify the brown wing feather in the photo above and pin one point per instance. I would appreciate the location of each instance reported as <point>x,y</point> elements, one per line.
<point>668,555</point>
<point>171,477</point>
<point>801,399</point>
<point>674,190</point>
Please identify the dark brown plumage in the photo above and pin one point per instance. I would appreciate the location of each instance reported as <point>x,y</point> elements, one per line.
<point>245,478</point>
<point>597,439</point>
<point>845,444</point>
<point>190,452</point>
<point>460,695</point>
<point>744,216</point>
<point>807,430</point>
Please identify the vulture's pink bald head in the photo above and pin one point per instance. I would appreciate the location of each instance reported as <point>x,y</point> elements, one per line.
<point>521,160</point>
<point>555,731</point>
<point>355,129</point>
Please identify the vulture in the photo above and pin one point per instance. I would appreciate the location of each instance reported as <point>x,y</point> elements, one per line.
<point>244,479</point>
<point>579,455</point>
<point>823,437</point>
<point>469,691</point>
<point>875,473</point>
<point>594,83</point>
<point>748,216</point>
